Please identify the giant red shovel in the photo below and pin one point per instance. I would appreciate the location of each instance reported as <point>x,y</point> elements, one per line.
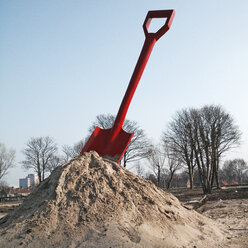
<point>113,142</point>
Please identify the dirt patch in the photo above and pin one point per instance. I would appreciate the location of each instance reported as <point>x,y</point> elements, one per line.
<point>225,193</point>
<point>227,206</point>
<point>6,207</point>
<point>93,202</point>
<point>233,214</point>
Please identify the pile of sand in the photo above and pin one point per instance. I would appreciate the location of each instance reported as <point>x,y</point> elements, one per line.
<point>93,202</point>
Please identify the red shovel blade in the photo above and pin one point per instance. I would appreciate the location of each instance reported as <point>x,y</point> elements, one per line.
<point>103,142</point>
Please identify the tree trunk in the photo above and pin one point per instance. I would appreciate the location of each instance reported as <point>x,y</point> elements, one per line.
<point>39,173</point>
<point>170,179</point>
<point>217,178</point>
<point>159,176</point>
<point>213,176</point>
<point>191,177</point>
<point>43,174</point>
<point>202,174</point>
<point>209,188</point>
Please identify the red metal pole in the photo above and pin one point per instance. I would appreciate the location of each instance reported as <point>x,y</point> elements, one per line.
<point>149,43</point>
<point>138,71</point>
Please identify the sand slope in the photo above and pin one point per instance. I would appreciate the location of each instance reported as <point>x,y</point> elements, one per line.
<point>93,202</point>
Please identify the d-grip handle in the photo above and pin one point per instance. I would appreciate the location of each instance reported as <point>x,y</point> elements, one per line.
<point>168,14</point>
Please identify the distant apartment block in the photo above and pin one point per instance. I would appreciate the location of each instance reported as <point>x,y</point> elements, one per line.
<point>24,182</point>
<point>30,181</point>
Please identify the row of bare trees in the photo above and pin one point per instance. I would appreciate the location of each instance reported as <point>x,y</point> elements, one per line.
<point>41,154</point>
<point>233,172</point>
<point>195,139</point>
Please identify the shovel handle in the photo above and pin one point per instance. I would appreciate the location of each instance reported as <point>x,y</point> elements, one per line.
<point>168,14</point>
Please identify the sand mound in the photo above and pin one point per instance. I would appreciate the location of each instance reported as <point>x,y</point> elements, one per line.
<point>93,202</point>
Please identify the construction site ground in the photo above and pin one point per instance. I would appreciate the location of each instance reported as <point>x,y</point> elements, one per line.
<point>228,206</point>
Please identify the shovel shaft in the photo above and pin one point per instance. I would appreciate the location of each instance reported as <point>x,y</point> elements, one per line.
<point>149,43</point>
<point>139,68</point>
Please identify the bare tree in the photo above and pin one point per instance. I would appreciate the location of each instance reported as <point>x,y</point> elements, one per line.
<point>223,135</point>
<point>241,169</point>
<point>164,164</point>
<point>38,154</point>
<point>202,136</point>
<point>139,169</point>
<point>139,145</point>
<point>7,158</point>
<point>214,133</point>
<point>54,162</point>
<point>72,151</point>
<point>174,163</point>
<point>234,170</point>
<point>177,139</point>
<point>3,185</point>
<point>151,177</point>
<point>157,162</point>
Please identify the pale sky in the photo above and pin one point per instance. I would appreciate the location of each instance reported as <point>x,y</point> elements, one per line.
<point>64,62</point>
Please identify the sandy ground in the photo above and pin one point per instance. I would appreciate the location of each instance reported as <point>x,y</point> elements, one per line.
<point>93,202</point>
<point>233,214</point>
<point>6,207</point>
<point>228,206</point>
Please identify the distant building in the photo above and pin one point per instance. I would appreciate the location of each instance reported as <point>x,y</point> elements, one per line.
<point>30,181</point>
<point>24,182</point>
<point>34,180</point>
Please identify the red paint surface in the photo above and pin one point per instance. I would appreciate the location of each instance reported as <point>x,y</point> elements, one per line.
<point>114,142</point>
